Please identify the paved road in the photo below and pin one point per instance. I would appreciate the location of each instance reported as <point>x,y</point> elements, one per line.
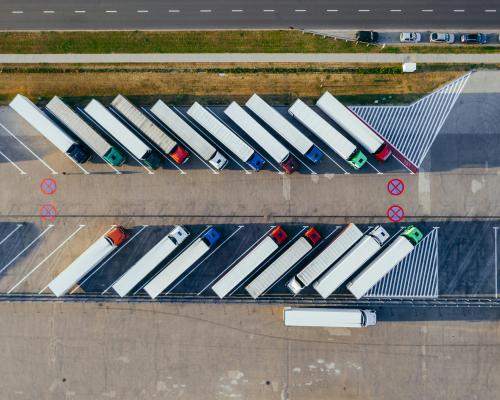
<point>196,14</point>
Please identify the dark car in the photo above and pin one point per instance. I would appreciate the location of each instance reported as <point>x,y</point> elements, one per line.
<point>367,36</point>
<point>472,38</point>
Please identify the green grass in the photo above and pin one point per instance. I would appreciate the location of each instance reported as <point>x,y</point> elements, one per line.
<point>289,41</point>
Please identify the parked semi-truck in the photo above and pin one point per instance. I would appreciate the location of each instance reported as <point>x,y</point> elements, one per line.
<point>385,262</point>
<point>353,260</point>
<point>250,262</point>
<point>87,261</point>
<point>85,132</point>
<point>42,123</point>
<point>284,128</point>
<point>262,137</point>
<point>324,260</point>
<point>227,137</point>
<point>329,317</point>
<point>181,128</point>
<point>283,263</point>
<point>150,261</point>
<point>328,134</point>
<point>102,116</point>
<point>182,263</point>
<point>354,126</point>
<point>168,145</point>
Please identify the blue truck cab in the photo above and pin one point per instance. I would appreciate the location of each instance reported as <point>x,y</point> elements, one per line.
<point>79,153</point>
<point>256,162</point>
<point>211,237</point>
<point>314,154</point>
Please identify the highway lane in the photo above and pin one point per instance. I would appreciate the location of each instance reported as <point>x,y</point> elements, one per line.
<point>223,14</point>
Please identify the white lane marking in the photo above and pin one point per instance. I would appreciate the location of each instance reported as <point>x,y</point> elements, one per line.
<point>46,258</point>
<point>427,10</point>
<point>237,259</point>
<point>27,247</point>
<point>373,166</point>
<point>267,10</point>
<point>395,11</point>
<point>109,259</point>
<point>237,11</point>
<point>11,233</point>
<point>27,148</point>
<point>490,11</point>
<point>111,11</point>
<point>208,255</point>
<point>142,11</point>
<point>363,10</point>
<point>49,12</point>
<point>78,165</point>
<point>205,11</point>
<point>174,11</point>
<point>332,10</point>
<point>13,163</point>
<point>300,10</point>
<point>80,11</point>
<point>459,11</point>
<point>332,160</point>
<point>17,12</point>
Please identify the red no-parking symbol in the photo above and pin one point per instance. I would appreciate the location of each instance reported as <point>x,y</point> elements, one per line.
<point>395,186</point>
<point>48,212</point>
<point>395,213</point>
<point>48,186</point>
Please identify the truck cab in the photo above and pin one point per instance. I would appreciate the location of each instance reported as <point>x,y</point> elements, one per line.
<point>79,153</point>
<point>314,154</point>
<point>383,153</point>
<point>211,237</point>
<point>357,160</point>
<point>178,235</point>
<point>295,286</point>
<point>312,236</point>
<point>290,164</point>
<point>413,234</point>
<point>179,155</point>
<point>279,235</point>
<point>117,236</point>
<point>218,161</point>
<point>152,160</point>
<point>114,157</point>
<point>256,162</point>
<point>379,234</point>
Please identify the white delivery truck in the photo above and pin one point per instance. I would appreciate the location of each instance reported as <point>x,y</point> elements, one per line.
<point>182,263</point>
<point>226,136</point>
<point>250,262</point>
<point>329,317</point>
<point>353,260</point>
<point>284,128</point>
<point>324,260</point>
<point>354,126</point>
<point>42,123</point>
<point>84,131</point>
<point>385,262</point>
<point>181,128</point>
<point>168,145</point>
<point>102,116</point>
<point>327,133</point>
<point>87,261</point>
<point>283,263</point>
<point>150,261</point>
<point>263,138</point>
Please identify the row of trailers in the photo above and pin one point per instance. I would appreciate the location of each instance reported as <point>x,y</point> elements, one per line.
<point>340,260</point>
<point>75,136</point>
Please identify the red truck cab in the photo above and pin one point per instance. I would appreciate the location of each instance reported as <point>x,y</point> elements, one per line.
<point>179,155</point>
<point>117,235</point>
<point>279,235</point>
<point>383,153</point>
<point>313,236</point>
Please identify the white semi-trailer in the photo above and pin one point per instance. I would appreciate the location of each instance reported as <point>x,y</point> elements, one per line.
<point>227,137</point>
<point>42,123</point>
<point>250,262</point>
<point>354,126</point>
<point>385,262</point>
<point>284,128</point>
<point>329,317</point>
<point>324,260</point>
<point>87,261</point>
<point>168,145</point>
<point>262,137</point>
<point>150,261</point>
<point>353,260</point>
<point>181,128</point>
<point>328,134</point>
<point>283,263</point>
<point>182,263</point>
<point>122,134</point>
<point>84,131</point>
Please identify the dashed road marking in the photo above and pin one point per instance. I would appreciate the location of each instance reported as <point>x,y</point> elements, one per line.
<point>428,10</point>
<point>237,11</point>
<point>458,11</point>
<point>270,11</point>
<point>112,11</point>
<point>142,11</point>
<point>49,12</point>
<point>363,11</point>
<point>17,12</point>
<point>332,10</point>
<point>395,11</point>
<point>174,11</point>
<point>490,11</point>
<point>80,11</point>
<point>205,11</point>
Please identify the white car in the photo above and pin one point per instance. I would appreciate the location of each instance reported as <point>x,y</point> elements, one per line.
<point>410,37</point>
<point>441,37</point>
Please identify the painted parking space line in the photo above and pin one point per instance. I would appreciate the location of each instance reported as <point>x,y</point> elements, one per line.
<point>49,227</point>
<point>143,137</point>
<point>21,171</point>
<point>80,227</point>
<point>19,226</point>
<point>237,259</point>
<point>174,136</point>
<point>240,227</point>
<point>173,259</point>
<point>331,159</point>
<point>108,259</point>
<point>82,111</point>
<point>54,172</point>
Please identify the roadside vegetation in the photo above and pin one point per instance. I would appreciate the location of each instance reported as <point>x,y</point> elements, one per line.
<point>285,41</point>
<point>219,83</point>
